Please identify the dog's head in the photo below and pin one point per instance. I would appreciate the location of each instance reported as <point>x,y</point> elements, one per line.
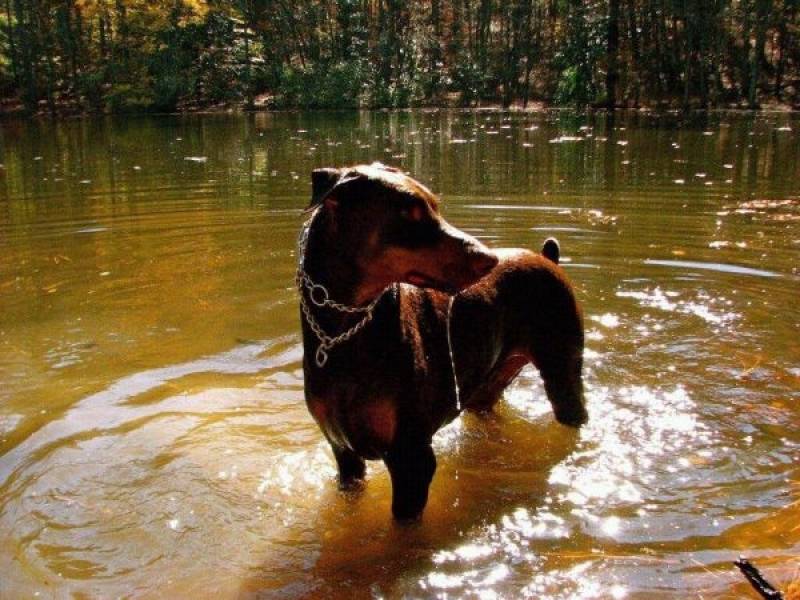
<point>395,232</point>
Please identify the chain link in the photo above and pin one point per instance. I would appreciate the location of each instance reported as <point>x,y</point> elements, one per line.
<point>327,342</point>
<point>319,296</point>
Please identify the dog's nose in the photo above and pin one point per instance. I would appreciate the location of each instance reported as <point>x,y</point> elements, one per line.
<point>484,261</point>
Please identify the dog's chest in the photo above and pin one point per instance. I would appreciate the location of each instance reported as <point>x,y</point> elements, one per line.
<point>396,371</point>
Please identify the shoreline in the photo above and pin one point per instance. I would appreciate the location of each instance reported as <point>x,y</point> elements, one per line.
<point>17,111</point>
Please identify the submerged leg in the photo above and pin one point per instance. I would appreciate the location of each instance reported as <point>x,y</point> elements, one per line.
<point>411,466</point>
<point>566,398</point>
<point>351,467</point>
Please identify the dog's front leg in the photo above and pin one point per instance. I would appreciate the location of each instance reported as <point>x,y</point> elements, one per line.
<point>411,464</point>
<point>351,467</point>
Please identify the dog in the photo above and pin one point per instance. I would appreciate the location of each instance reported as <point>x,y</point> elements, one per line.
<point>407,321</point>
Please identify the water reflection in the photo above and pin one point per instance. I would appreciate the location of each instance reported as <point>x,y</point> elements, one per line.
<point>153,436</point>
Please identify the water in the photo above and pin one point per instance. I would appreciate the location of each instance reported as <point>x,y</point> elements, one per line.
<point>153,437</point>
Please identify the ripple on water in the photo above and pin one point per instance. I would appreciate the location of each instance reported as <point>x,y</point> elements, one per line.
<point>707,266</point>
<point>127,478</point>
<point>599,491</point>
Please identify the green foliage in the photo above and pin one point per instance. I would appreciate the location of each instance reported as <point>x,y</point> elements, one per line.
<point>339,85</point>
<point>468,80</point>
<point>143,55</point>
<point>90,90</point>
<point>579,56</point>
<point>130,98</point>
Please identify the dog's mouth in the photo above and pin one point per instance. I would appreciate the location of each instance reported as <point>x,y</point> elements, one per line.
<point>422,280</point>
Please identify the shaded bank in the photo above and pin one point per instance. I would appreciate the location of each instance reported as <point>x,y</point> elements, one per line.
<point>136,56</point>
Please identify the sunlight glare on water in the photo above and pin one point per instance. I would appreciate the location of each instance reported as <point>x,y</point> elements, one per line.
<point>154,440</point>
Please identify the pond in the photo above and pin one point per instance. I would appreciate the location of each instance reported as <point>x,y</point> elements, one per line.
<point>154,441</point>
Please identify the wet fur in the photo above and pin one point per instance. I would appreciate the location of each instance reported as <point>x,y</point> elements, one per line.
<point>384,393</point>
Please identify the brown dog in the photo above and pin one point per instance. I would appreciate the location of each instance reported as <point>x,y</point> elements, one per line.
<point>388,289</point>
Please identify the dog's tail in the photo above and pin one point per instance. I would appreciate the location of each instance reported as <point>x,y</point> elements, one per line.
<point>551,250</point>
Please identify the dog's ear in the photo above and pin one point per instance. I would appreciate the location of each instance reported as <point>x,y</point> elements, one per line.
<point>322,182</point>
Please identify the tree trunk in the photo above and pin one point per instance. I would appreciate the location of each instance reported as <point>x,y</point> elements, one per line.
<point>248,75</point>
<point>701,47</point>
<point>757,52</point>
<point>612,53</point>
<point>687,54</point>
<point>529,47</point>
<point>45,31</point>
<point>744,62</point>
<point>435,58</point>
<point>12,50</point>
<point>28,46</point>
<point>780,68</point>
<point>636,58</point>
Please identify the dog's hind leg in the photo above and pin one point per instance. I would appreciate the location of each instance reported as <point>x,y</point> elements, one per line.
<point>566,398</point>
<point>411,465</point>
<point>560,366</point>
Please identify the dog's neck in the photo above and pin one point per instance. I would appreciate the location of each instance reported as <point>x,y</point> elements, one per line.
<point>331,261</point>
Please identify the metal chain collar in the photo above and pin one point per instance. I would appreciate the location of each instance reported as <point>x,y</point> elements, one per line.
<point>319,296</point>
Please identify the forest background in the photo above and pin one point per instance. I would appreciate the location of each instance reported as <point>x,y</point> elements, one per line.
<point>76,56</point>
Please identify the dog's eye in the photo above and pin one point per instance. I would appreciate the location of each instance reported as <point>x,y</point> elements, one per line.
<point>412,213</point>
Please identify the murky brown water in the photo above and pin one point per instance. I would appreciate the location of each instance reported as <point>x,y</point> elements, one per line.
<point>153,437</point>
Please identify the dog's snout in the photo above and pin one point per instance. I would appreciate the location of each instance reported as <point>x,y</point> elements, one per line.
<point>483,261</point>
<point>469,260</point>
